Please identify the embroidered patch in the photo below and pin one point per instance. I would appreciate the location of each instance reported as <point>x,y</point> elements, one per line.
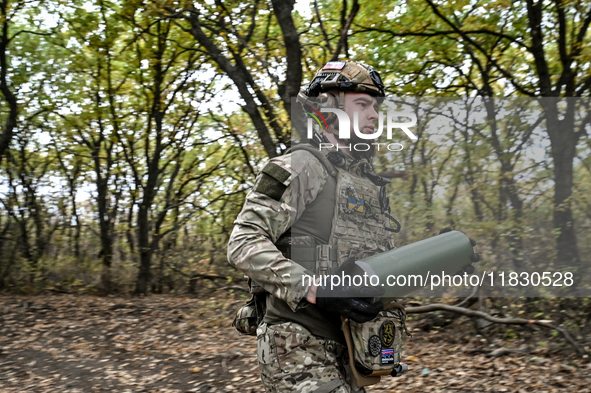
<point>387,333</point>
<point>387,356</point>
<point>334,65</point>
<point>374,345</point>
<point>352,202</point>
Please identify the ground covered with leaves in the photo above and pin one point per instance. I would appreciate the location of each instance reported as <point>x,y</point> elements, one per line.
<point>67,343</point>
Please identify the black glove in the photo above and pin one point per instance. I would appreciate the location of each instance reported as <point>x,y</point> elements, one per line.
<point>475,256</point>
<point>445,230</point>
<point>350,301</point>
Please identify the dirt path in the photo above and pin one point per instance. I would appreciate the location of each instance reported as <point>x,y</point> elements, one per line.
<point>170,344</point>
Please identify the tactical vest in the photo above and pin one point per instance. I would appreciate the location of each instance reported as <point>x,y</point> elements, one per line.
<point>360,221</point>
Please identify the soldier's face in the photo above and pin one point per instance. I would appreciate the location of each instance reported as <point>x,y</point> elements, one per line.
<point>367,108</point>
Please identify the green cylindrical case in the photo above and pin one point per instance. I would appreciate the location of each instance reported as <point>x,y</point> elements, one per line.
<point>448,252</point>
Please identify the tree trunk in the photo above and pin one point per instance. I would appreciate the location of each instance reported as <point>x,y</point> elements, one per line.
<point>144,274</point>
<point>563,156</point>
<point>11,121</point>
<point>563,140</point>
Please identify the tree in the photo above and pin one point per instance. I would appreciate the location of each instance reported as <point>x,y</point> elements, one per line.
<point>532,49</point>
<point>7,14</point>
<point>88,130</point>
<point>24,86</point>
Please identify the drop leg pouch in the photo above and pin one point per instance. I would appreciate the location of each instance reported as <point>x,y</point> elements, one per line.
<point>377,344</point>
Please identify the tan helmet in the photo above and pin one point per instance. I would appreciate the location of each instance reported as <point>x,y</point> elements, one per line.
<point>344,76</point>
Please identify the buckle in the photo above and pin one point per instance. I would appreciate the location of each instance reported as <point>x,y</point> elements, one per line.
<point>323,263</point>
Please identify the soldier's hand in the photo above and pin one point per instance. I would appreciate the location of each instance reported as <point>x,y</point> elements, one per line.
<point>445,230</point>
<point>350,301</point>
<point>357,309</point>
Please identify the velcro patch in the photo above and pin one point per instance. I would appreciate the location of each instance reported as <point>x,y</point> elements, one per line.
<point>334,65</point>
<point>274,180</point>
<point>387,356</point>
<point>277,173</point>
<point>388,333</point>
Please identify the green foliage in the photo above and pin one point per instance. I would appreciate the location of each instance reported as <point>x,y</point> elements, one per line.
<point>120,106</point>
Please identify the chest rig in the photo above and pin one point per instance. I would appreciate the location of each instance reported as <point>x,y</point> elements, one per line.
<point>361,220</point>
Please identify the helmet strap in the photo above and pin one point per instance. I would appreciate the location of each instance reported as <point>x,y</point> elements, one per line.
<point>341,100</point>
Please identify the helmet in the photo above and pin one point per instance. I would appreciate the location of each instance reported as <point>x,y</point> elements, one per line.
<point>345,76</point>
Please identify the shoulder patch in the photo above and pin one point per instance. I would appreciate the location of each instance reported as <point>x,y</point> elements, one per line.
<point>274,180</point>
<point>277,173</point>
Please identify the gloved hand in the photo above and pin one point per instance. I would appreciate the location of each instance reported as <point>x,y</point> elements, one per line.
<point>350,301</point>
<point>475,256</point>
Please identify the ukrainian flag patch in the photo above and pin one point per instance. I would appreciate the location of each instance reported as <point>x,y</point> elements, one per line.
<point>353,202</point>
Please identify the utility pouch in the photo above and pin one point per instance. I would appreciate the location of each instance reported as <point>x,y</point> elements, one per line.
<point>250,316</point>
<point>377,344</point>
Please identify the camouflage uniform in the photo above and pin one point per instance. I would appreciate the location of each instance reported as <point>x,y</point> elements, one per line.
<point>300,347</point>
<point>264,219</point>
<point>290,357</point>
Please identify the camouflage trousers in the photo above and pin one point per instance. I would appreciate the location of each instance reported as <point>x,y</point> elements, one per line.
<point>291,359</point>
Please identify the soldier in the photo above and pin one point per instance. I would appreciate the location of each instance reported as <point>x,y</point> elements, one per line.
<point>310,212</point>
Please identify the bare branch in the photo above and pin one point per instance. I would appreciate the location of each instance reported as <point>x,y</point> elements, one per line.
<point>510,321</point>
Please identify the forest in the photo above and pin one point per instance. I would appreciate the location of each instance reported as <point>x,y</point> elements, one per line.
<point>131,132</point>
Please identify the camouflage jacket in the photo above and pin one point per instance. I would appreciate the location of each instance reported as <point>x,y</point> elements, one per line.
<point>283,189</point>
